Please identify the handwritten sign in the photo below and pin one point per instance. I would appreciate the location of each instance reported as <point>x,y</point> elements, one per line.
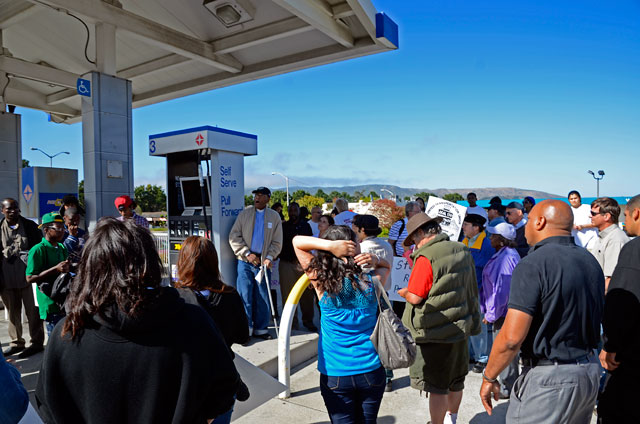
<point>451,213</point>
<point>400,273</point>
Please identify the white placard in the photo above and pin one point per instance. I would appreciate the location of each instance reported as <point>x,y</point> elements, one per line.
<point>400,273</point>
<point>452,214</point>
<point>261,386</point>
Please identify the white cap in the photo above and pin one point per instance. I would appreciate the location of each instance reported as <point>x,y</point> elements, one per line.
<point>507,231</point>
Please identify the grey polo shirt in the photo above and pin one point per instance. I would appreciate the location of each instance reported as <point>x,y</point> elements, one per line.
<point>607,250</point>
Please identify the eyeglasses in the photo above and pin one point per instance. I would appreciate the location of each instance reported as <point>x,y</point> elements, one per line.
<point>596,213</point>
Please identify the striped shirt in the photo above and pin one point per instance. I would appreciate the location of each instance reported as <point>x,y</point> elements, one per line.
<point>139,220</point>
<point>394,234</point>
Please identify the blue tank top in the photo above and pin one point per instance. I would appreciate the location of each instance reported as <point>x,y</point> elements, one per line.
<point>347,321</point>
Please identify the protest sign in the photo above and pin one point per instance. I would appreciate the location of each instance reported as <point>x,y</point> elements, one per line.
<point>399,277</point>
<point>451,213</point>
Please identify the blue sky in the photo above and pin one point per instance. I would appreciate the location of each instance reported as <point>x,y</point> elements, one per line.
<point>480,94</point>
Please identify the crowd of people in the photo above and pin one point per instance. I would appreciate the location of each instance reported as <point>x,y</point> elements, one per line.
<point>542,299</point>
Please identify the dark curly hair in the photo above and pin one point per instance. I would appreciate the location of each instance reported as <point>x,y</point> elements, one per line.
<point>330,270</point>
<point>119,266</point>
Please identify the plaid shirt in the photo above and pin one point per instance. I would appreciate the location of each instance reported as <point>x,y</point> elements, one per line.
<point>139,220</point>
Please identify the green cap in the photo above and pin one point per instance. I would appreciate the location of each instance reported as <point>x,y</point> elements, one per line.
<point>50,218</point>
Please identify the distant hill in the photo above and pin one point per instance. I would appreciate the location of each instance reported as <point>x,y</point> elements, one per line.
<point>401,192</point>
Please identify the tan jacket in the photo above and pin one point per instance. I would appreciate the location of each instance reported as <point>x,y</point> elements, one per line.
<point>242,232</point>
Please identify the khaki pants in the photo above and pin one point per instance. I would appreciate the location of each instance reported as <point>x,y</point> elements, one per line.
<point>13,300</point>
<point>289,274</point>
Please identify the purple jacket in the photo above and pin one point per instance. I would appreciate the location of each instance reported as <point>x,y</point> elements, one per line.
<point>496,283</point>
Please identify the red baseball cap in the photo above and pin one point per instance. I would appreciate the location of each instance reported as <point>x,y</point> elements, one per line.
<point>123,201</point>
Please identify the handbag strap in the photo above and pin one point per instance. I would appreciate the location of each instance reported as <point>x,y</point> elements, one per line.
<point>383,293</point>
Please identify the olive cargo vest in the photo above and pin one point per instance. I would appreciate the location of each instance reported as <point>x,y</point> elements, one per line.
<point>451,312</point>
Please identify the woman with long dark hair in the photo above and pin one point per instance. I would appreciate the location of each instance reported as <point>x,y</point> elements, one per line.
<point>352,379</point>
<point>200,283</point>
<point>130,350</point>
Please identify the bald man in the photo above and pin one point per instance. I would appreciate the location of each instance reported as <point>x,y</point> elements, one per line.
<point>555,307</point>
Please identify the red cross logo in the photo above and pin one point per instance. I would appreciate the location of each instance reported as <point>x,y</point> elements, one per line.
<point>199,140</point>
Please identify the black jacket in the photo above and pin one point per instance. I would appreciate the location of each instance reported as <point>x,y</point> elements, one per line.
<point>170,365</point>
<point>227,311</point>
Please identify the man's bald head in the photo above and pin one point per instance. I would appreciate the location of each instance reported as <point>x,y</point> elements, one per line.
<point>548,218</point>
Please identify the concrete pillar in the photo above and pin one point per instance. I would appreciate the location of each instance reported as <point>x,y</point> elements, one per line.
<point>10,155</point>
<point>107,145</point>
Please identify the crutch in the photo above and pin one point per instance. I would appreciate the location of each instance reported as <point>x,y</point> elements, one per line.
<point>273,312</point>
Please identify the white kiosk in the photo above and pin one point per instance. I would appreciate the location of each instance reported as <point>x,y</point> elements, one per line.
<point>205,187</point>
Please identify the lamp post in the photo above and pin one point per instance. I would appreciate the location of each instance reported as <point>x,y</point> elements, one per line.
<point>286,180</point>
<point>390,192</point>
<point>597,178</point>
<point>50,156</point>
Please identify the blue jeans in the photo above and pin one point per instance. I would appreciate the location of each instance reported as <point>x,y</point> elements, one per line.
<point>353,398</point>
<point>254,296</point>
<point>224,418</point>
<point>478,346</point>
<point>51,321</point>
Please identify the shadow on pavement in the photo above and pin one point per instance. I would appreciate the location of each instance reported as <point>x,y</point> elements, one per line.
<point>401,383</point>
<point>499,415</point>
<point>308,391</point>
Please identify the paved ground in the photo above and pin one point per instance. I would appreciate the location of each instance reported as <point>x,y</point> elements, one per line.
<point>403,405</point>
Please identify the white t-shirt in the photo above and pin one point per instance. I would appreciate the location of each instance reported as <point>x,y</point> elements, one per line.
<point>314,228</point>
<point>587,237</point>
<point>344,218</point>
<point>478,210</point>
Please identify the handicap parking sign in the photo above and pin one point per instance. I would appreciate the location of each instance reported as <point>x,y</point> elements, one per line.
<point>84,87</point>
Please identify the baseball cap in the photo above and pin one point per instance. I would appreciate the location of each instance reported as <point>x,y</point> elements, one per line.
<point>530,200</point>
<point>123,201</point>
<point>475,219</point>
<point>515,205</point>
<point>50,218</point>
<point>503,229</point>
<point>262,190</point>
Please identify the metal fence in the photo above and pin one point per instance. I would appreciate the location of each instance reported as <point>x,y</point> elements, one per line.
<point>162,246</point>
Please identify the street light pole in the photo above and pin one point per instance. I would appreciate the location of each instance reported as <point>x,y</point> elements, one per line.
<point>286,180</point>
<point>50,156</point>
<point>391,193</point>
<point>597,178</point>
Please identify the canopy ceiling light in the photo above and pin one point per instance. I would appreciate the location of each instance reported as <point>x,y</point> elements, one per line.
<point>230,12</point>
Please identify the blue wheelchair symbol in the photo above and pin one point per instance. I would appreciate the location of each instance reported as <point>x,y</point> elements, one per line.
<point>83,87</point>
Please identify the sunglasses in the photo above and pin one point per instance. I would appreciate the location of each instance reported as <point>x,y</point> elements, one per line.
<point>121,208</point>
<point>596,213</point>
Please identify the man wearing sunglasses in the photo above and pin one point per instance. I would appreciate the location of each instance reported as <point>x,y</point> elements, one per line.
<point>604,216</point>
<point>515,216</point>
<point>126,207</point>
<point>46,261</point>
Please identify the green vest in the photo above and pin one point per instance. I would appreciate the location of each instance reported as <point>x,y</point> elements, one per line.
<point>450,312</point>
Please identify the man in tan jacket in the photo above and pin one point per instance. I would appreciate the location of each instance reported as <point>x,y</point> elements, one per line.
<point>256,240</point>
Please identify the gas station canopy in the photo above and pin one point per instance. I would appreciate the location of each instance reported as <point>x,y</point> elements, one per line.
<point>169,49</point>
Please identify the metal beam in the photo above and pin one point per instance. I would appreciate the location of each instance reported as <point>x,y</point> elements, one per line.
<point>148,31</point>
<point>308,59</point>
<point>20,94</point>
<point>14,12</point>
<point>250,38</point>
<point>341,10</point>
<point>319,14</point>
<point>260,35</point>
<point>41,73</point>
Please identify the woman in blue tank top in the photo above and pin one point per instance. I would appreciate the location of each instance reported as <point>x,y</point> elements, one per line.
<point>352,379</point>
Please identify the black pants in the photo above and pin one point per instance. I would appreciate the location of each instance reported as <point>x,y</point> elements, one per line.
<point>617,403</point>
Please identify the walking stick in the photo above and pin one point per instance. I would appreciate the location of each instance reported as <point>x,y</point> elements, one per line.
<point>273,312</point>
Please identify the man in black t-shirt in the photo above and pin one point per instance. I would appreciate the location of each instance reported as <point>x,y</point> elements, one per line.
<point>290,269</point>
<point>621,323</point>
<point>555,307</point>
